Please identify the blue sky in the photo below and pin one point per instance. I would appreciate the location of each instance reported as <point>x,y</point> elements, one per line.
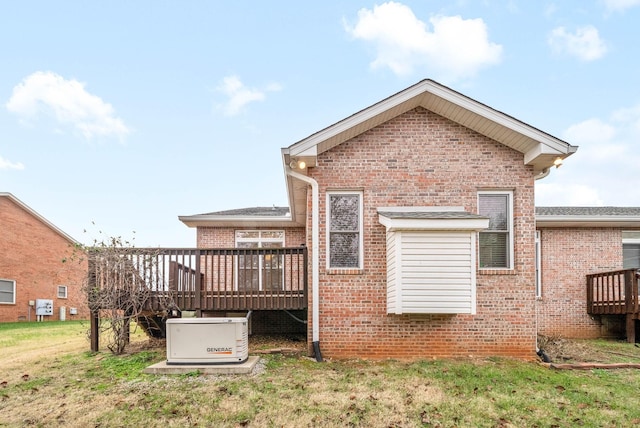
<point>128,114</point>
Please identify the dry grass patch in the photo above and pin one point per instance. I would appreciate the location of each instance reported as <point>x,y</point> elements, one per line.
<point>77,388</point>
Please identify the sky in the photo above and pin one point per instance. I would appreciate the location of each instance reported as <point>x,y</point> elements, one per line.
<point>117,117</point>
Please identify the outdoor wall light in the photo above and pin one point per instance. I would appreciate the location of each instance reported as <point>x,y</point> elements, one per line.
<point>296,164</point>
<point>557,162</point>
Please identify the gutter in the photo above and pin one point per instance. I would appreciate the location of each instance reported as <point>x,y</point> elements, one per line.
<point>315,259</point>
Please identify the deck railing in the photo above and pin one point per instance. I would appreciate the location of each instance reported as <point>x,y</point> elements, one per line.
<point>231,279</point>
<point>613,292</point>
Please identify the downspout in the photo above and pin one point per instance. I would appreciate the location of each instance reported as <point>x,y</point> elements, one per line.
<point>315,260</point>
<point>540,352</point>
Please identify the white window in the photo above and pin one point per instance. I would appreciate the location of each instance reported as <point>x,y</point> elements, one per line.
<point>496,243</point>
<point>344,230</point>
<point>256,272</point>
<point>7,291</point>
<point>631,249</point>
<point>538,266</point>
<point>62,291</point>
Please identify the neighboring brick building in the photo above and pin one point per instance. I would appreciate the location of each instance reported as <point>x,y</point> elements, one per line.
<point>31,266</point>
<point>419,215</point>
<point>574,242</point>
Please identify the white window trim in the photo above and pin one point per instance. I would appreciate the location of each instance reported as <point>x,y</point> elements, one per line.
<point>260,240</point>
<point>66,290</point>
<point>628,241</point>
<point>14,292</point>
<point>538,265</point>
<point>509,230</point>
<point>360,228</point>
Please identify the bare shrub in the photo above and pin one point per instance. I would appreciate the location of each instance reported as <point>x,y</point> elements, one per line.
<point>120,285</point>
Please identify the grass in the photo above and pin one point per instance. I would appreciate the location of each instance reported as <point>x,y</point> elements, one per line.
<point>78,388</point>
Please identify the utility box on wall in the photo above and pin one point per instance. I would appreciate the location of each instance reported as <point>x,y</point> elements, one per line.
<point>207,340</point>
<point>44,307</point>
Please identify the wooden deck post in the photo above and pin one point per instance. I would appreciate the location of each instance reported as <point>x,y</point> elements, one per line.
<point>198,284</point>
<point>631,290</point>
<point>631,328</point>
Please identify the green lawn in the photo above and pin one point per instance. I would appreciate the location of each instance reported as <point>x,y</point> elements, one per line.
<point>77,388</point>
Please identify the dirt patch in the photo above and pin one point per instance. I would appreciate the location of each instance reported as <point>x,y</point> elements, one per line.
<point>561,350</point>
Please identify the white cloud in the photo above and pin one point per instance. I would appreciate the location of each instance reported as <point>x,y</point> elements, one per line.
<point>620,5</point>
<point>451,47</point>
<point>68,102</point>
<point>585,43</point>
<point>604,170</point>
<point>7,164</point>
<point>239,95</point>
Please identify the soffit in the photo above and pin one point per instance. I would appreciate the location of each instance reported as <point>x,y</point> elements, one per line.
<point>205,220</point>
<point>542,148</point>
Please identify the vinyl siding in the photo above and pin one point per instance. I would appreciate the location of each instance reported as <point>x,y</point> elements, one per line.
<point>432,272</point>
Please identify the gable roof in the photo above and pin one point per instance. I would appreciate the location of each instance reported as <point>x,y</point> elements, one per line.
<point>247,217</point>
<point>588,217</point>
<point>539,148</point>
<point>38,217</point>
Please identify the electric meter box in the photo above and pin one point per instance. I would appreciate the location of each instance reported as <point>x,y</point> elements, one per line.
<point>207,340</point>
<point>44,307</point>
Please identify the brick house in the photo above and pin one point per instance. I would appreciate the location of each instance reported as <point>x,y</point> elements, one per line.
<point>31,267</point>
<point>418,213</point>
<point>573,242</point>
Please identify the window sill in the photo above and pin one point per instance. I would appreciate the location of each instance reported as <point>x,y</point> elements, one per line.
<point>497,272</point>
<point>353,271</point>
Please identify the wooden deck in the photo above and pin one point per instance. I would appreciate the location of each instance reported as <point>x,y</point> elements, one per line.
<point>163,281</point>
<point>231,279</point>
<point>615,293</point>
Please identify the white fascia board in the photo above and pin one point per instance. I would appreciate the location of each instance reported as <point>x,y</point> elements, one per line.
<point>368,113</point>
<point>587,221</point>
<point>231,221</point>
<point>545,150</point>
<point>499,117</point>
<point>434,224</point>
<point>415,94</point>
<point>402,209</point>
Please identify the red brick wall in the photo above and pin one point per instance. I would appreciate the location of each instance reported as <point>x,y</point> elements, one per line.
<point>225,237</point>
<point>568,256</point>
<point>422,159</point>
<point>31,253</point>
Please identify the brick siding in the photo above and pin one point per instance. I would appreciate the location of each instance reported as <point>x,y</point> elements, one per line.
<point>225,237</point>
<point>422,159</point>
<point>31,253</point>
<point>568,256</point>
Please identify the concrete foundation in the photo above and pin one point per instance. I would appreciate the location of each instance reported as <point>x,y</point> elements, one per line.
<point>162,368</point>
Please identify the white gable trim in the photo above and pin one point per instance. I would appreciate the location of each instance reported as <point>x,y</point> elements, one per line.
<point>541,150</point>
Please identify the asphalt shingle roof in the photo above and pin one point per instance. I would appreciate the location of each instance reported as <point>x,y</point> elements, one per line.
<point>588,211</point>
<point>430,215</point>
<point>254,211</point>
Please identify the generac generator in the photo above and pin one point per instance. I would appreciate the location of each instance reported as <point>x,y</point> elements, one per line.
<point>207,340</point>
